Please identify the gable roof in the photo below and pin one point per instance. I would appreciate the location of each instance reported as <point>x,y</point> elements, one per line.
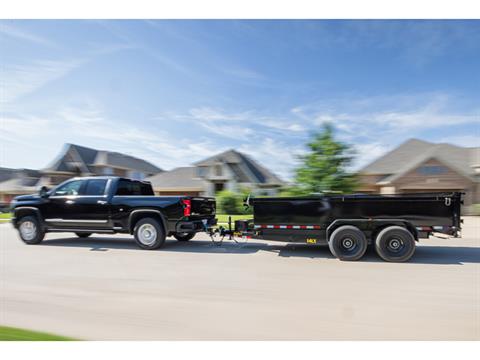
<point>87,158</point>
<point>182,177</point>
<point>246,169</point>
<point>23,180</point>
<point>414,152</point>
<point>7,173</point>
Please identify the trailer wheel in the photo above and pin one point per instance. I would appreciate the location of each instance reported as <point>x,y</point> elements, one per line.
<point>149,234</point>
<point>184,236</point>
<point>395,244</point>
<point>348,243</point>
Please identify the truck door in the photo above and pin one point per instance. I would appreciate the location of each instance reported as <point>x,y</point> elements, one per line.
<point>80,204</point>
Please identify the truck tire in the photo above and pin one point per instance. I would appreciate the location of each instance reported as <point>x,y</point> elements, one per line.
<point>184,236</point>
<point>149,234</point>
<point>83,235</point>
<point>30,230</point>
<point>348,243</point>
<point>395,244</point>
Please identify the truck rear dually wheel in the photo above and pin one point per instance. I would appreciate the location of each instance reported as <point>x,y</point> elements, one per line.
<point>395,244</point>
<point>348,243</point>
<point>83,235</point>
<point>183,236</point>
<point>149,234</point>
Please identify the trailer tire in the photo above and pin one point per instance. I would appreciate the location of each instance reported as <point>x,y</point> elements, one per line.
<point>149,234</point>
<point>184,236</point>
<point>348,243</point>
<point>395,244</point>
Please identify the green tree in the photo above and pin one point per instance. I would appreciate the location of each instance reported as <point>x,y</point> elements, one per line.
<point>324,167</point>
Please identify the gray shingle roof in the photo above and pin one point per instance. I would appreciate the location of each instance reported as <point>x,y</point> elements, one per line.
<point>414,151</point>
<point>244,167</point>
<point>182,177</point>
<point>23,180</point>
<point>7,173</point>
<point>87,158</point>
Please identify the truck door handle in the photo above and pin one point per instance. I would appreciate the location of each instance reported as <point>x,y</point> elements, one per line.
<point>101,202</point>
<point>69,202</point>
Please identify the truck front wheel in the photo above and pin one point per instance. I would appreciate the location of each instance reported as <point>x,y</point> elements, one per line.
<point>395,244</point>
<point>30,230</point>
<point>348,243</point>
<point>149,234</point>
<point>183,236</point>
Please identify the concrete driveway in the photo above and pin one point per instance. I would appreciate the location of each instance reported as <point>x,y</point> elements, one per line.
<point>106,288</point>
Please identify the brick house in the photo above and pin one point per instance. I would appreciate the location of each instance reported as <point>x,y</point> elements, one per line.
<point>229,170</point>
<point>421,166</point>
<point>73,160</point>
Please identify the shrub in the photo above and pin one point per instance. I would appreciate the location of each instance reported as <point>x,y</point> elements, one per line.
<point>227,202</point>
<point>231,203</point>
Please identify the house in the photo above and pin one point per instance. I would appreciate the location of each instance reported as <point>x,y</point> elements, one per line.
<point>15,182</point>
<point>421,166</point>
<point>230,170</point>
<point>74,160</point>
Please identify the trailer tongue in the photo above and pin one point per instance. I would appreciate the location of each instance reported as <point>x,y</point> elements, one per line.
<point>348,224</point>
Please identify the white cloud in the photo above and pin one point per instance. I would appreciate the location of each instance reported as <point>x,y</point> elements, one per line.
<point>20,80</point>
<point>17,33</point>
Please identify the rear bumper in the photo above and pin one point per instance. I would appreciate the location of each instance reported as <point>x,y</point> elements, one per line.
<point>195,225</point>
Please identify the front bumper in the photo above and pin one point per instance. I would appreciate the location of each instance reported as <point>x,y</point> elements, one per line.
<point>195,225</point>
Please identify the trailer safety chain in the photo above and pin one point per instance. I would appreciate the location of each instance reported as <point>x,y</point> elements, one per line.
<point>221,233</point>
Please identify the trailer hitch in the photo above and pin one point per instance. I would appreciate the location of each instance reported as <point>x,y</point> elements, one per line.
<point>221,232</point>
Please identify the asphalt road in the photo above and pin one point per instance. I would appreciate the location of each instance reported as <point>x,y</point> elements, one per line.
<point>104,288</point>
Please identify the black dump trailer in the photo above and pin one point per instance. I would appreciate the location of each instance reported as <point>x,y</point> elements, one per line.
<point>349,223</point>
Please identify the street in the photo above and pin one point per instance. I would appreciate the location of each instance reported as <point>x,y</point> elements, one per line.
<point>105,288</point>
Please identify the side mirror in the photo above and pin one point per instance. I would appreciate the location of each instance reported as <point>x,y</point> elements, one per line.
<point>43,192</point>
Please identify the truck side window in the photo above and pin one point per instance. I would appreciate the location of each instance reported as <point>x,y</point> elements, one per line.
<point>95,187</point>
<point>126,187</point>
<point>70,188</point>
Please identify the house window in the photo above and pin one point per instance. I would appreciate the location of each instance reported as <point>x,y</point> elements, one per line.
<point>136,175</point>
<point>108,171</point>
<point>432,170</point>
<point>218,170</point>
<point>201,171</point>
<point>219,187</point>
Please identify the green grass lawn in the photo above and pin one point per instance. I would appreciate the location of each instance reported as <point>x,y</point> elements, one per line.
<point>5,216</point>
<point>14,334</point>
<point>223,219</point>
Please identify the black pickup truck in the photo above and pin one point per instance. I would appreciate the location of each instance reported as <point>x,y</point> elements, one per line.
<point>109,204</point>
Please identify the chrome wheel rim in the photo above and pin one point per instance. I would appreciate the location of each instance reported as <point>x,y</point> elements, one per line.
<point>28,230</point>
<point>395,244</point>
<point>348,243</point>
<point>147,234</point>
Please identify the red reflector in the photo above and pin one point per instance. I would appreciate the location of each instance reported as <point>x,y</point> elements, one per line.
<point>187,207</point>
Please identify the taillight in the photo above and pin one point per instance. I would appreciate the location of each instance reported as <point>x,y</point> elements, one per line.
<point>187,207</point>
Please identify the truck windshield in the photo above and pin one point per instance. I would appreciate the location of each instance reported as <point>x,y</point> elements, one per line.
<point>127,187</point>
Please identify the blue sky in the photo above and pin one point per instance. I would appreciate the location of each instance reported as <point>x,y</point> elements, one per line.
<point>174,92</point>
